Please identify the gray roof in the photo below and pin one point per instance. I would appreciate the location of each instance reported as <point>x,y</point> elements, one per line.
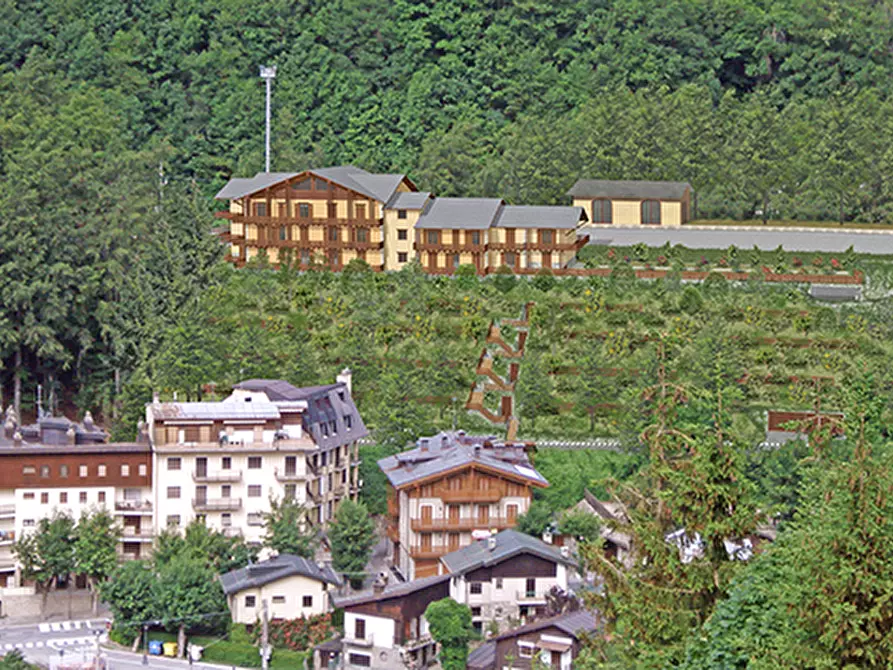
<point>460,213</point>
<point>225,409</point>
<point>634,190</point>
<point>835,293</point>
<point>509,543</point>
<point>539,216</point>
<point>411,200</point>
<point>280,567</point>
<point>572,623</point>
<point>395,590</point>
<point>482,658</point>
<point>378,186</point>
<point>450,451</point>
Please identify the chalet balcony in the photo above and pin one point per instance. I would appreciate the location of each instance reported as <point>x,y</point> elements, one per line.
<point>434,551</point>
<point>393,532</point>
<point>7,538</point>
<point>298,220</point>
<point>290,475</point>
<point>137,534</point>
<point>417,643</point>
<point>352,641</point>
<point>133,507</point>
<point>529,597</point>
<point>216,504</point>
<point>539,246</point>
<point>462,524</point>
<point>204,476</point>
<point>451,248</point>
<point>469,495</point>
<point>7,511</point>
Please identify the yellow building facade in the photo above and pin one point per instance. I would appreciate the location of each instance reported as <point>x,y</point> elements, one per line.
<point>633,203</point>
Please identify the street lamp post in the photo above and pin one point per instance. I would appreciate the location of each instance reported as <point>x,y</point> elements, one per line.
<point>145,644</point>
<point>268,74</point>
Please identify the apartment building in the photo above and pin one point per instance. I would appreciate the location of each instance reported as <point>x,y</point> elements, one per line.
<point>506,576</point>
<point>633,203</point>
<point>451,488</point>
<point>331,216</point>
<point>60,465</point>
<point>222,462</point>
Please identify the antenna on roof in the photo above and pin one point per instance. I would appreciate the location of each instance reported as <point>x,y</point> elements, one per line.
<point>268,74</point>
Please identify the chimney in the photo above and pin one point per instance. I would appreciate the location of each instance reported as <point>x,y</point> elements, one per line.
<point>88,421</point>
<point>17,439</point>
<point>71,435</point>
<point>378,585</point>
<point>491,543</point>
<point>346,378</point>
<point>155,398</point>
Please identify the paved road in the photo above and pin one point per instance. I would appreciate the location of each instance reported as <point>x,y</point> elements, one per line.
<point>697,237</point>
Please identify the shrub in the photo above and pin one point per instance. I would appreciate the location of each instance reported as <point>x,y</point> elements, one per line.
<point>299,634</point>
<point>796,262</point>
<point>544,280</point>
<point>836,264</point>
<point>661,260</point>
<point>504,279</point>
<point>818,262</point>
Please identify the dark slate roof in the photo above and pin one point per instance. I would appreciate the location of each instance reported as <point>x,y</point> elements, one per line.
<point>482,658</point>
<point>509,543</point>
<point>412,200</point>
<point>280,567</point>
<point>324,404</point>
<point>378,186</point>
<point>535,216</point>
<point>572,623</point>
<point>396,590</point>
<point>224,409</point>
<point>634,190</point>
<point>460,213</point>
<point>450,451</point>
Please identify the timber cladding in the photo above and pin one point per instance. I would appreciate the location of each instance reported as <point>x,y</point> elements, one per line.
<point>404,608</point>
<point>524,566</point>
<point>63,470</point>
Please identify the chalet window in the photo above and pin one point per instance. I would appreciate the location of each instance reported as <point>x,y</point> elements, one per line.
<point>498,584</point>
<point>508,258</point>
<point>303,185</point>
<point>325,431</point>
<point>530,587</point>
<point>291,491</point>
<point>31,470</point>
<point>475,588</point>
<point>475,611</point>
<point>348,421</point>
<point>401,234</point>
<point>456,260</point>
<point>546,236</point>
<point>402,257</point>
<point>304,210</point>
<point>142,469</point>
<point>44,498</point>
<point>28,496</point>
<point>602,211</point>
<point>82,471</point>
<point>401,214</point>
<point>651,212</point>
<point>476,237</point>
<point>260,209</point>
<point>226,491</point>
<point>307,601</point>
<point>321,185</point>
<point>359,629</point>
<point>44,471</point>
<point>360,210</point>
<point>525,649</point>
<point>305,257</point>
<point>432,236</point>
<point>100,470</point>
<point>254,491</point>
<point>278,600</point>
<point>362,235</point>
<point>173,492</point>
<point>250,601</point>
<point>283,234</point>
<point>226,520</point>
<point>125,470</point>
<point>63,471</point>
<point>82,497</point>
<point>173,520</point>
<point>363,660</point>
<point>226,463</point>
<point>173,463</point>
<point>28,523</point>
<point>334,234</point>
<point>255,462</point>
<point>100,497</point>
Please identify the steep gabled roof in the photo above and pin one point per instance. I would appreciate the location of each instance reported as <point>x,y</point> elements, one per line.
<point>632,190</point>
<point>377,186</point>
<point>535,216</point>
<point>572,623</point>
<point>409,200</point>
<point>396,590</point>
<point>239,187</point>
<point>482,658</point>
<point>460,214</point>
<point>280,567</point>
<point>508,544</point>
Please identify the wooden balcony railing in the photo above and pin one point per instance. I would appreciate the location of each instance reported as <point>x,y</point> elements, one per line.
<point>434,551</point>
<point>451,248</point>
<point>465,523</point>
<point>299,220</point>
<point>468,495</point>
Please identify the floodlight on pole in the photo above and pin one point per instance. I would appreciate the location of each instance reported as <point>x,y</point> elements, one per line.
<point>268,74</point>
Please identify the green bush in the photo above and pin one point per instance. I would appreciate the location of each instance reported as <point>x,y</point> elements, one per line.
<point>288,660</point>
<point>232,653</point>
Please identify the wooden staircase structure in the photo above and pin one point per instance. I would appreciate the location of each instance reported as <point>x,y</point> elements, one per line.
<point>492,388</point>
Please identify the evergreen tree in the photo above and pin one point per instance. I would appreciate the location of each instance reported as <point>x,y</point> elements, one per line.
<point>352,536</point>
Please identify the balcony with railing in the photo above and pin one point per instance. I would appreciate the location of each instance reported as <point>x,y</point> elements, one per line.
<point>290,475</point>
<point>431,551</point>
<point>232,531</point>
<point>7,538</point>
<point>530,597</point>
<point>7,511</point>
<point>468,495</point>
<point>133,507</point>
<point>255,519</point>
<point>416,643</point>
<point>205,476</point>
<point>137,533</point>
<point>353,641</point>
<point>216,504</point>
<point>445,524</point>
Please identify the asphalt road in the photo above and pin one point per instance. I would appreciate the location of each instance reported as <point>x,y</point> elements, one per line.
<point>695,237</point>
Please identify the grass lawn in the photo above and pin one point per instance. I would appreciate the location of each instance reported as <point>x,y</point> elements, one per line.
<point>236,653</point>
<point>789,223</point>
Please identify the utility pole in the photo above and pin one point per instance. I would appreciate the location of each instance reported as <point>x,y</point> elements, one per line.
<point>268,74</point>
<point>264,639</point>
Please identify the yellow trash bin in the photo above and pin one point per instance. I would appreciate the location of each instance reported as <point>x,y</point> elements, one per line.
<point>170,648</point>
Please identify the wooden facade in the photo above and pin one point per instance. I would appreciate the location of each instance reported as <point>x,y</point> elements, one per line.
<point>53,467</point>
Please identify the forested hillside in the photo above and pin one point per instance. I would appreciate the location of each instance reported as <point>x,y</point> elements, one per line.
<point>119,120</point>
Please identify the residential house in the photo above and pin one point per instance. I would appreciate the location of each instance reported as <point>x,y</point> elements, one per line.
<point>329,215</point>
<point>291,586</point>
<point>60,465</point>
<point>633,203</point>
<point>554,641</point>
<point>506,576</point>
<point>617,544</point>
<point>448,488</point>
<point>385,627</point>
<point>222,461</point>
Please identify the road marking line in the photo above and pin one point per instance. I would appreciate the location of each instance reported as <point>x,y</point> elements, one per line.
<point>66,625</point>
<point>55,627</point>
<point>29,645</point>
<point>44,627</point>
<point>7,646</point>
<point>38,644</point>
